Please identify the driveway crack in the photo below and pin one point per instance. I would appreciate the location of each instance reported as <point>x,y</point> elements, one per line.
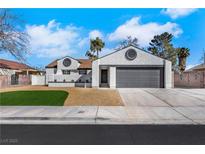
<point>184,115</point>
<point>159,98</point>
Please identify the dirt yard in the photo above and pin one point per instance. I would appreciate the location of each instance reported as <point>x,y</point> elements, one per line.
<point>90,96</point>
<point>81,96</point>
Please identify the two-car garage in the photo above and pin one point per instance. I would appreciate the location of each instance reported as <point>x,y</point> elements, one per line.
<point>139,77</point>
<point>131,67</point>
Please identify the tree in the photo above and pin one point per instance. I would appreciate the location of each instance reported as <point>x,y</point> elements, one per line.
<point>96,46</point>
<point>128,41</point>
<point>161,46</point>
<point>13,40</point>
<point>90,55</point>
<point>182,54</point>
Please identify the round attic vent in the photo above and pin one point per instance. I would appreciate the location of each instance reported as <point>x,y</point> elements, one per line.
<point>66,62</point>
<point>131,54</point>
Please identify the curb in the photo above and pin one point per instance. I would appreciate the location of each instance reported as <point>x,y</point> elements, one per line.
<point>87,121</point>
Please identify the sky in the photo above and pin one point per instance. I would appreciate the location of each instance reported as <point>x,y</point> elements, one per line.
<point>55,33</point>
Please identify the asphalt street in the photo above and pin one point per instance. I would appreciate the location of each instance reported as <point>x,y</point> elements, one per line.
<point>102,134</point>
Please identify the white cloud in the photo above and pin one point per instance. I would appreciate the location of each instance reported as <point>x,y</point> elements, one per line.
<point>92,35</point>
<point>178,12</point>
<point>83,42</point>
<point>95,33</point>
<point>144,32</point>
<point>51,40</point>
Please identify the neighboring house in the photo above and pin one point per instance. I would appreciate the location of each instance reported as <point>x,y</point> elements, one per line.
<point>15,73</point>
<point>125,68</point>
<point>69,72</point>
<point>193,77</point>
<point>8,67</point>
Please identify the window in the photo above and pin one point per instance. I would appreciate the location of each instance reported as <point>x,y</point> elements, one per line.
<point>66,71</point>
<point>131,54</point>
<point>66,62</point>
<point>83,72</point>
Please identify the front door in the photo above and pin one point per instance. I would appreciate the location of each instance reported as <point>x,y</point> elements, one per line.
<point>104,76</point>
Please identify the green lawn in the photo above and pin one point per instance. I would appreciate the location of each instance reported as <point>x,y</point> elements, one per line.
<point>33,98</point>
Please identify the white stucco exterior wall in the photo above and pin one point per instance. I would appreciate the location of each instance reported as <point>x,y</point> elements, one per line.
<point>72,77</point>
<point>112,78</point>
<point>74,64</point>
<point>49,74</point>
<point>95,74</point>
<point>168,74</point>
<point>143,58</point>
<point>38,80</point>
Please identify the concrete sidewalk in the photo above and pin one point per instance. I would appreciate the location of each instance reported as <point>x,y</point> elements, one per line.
<point>99,115</point>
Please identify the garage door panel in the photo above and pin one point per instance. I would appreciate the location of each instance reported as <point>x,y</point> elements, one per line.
<point>139,77</point>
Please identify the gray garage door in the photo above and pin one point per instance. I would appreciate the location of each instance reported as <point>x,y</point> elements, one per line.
<point>129,77</point>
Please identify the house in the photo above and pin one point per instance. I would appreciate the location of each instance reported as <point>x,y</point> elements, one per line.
<point>191,78</point>
<point>15,73</point>
<point>69,72</point>
<point>125,68</point>
<point>8,67</point>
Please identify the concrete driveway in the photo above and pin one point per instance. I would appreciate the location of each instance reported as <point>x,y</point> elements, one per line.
<point>173,105</point>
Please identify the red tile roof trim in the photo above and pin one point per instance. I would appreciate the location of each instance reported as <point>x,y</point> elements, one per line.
<point>8,64</point>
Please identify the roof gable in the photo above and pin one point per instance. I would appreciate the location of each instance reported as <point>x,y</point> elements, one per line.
<point>133,47</point>
<point>84,63</point>
<point>53,64</point>
<point>119,58</point>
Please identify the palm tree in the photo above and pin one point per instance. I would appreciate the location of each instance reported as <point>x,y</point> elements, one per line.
<point>96,45</point>
<point>182,54</point>
<point>90,55</point>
